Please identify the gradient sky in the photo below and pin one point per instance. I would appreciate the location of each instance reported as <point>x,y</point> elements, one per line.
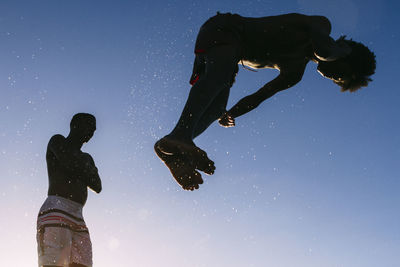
<point>310,178</point>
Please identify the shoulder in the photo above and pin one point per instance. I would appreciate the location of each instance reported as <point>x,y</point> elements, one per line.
<point>86,157</point>
<point>320,23</point>
<point>56,139</point>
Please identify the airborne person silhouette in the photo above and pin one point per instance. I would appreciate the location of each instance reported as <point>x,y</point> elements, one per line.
<point>284,42</point>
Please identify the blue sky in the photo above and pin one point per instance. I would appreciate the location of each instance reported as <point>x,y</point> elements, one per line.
<point>310,178</point>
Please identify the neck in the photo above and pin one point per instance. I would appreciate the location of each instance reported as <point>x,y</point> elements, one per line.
<point>74,141</point>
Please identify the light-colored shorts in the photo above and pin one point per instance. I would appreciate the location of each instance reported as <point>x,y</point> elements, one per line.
<point>62,235</point>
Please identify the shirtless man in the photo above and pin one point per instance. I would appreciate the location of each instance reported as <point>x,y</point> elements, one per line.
<point>62,236</point>
<point>286,43</point>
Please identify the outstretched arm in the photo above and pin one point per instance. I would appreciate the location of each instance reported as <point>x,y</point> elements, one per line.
<point>286,79</point>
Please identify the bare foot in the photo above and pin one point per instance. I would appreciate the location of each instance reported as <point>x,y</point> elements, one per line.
<point>181,169</point>
<point>169,146</point>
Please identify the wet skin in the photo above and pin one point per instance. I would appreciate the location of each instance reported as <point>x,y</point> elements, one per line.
<point>70,170</point>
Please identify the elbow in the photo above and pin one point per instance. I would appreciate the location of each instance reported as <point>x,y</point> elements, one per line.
<point>99,189</point>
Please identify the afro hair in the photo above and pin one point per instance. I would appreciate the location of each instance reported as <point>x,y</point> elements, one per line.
<point>362,62</point>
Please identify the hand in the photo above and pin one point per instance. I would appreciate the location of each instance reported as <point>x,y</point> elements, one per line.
<point>226,120</point>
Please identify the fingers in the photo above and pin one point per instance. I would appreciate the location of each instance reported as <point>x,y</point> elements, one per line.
<point>226,120</point>
<point>230,121</point>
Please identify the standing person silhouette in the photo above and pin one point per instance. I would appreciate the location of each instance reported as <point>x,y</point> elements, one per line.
<point>62,236</point>
<point>284,42</point>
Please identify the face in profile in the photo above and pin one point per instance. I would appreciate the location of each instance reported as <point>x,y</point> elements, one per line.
<point>84,129</point>
<point>337,70</point>
<point>340,72</point>
<point>87,130</point>
<point>353,71</point>
<point>83,126</point>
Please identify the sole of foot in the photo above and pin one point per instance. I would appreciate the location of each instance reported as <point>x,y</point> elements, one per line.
<point>199,157</point>
<point>182,169</point>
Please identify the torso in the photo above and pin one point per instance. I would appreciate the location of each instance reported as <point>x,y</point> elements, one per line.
<point>271,42</point>
<point>65,183</point>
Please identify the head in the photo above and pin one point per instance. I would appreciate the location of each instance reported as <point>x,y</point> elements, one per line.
<point>353,71</point>
<point>83,126</point>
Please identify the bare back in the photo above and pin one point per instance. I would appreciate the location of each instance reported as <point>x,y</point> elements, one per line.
<point>269,41</point>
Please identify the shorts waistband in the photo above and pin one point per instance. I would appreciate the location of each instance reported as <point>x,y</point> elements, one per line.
<point>62,205</point>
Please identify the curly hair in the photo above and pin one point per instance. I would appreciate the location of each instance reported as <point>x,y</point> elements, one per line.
<point>362,62</point>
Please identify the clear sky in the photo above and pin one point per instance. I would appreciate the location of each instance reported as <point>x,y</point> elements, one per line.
<point>311,178</point>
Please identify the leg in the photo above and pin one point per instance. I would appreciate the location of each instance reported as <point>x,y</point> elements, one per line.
<point>203,106</point>
<point>220,66</point>
<point>215,110</point>
<point>54,246</point>
<point>81,250</point>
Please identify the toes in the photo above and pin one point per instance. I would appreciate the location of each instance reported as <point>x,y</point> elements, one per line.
<point>166,148</point>
<point>194,178</point>
<point>189,188</point>
<point>191,180</point>
<point>207,167</point>
<point>184,173</point>
<point>183,166</point>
